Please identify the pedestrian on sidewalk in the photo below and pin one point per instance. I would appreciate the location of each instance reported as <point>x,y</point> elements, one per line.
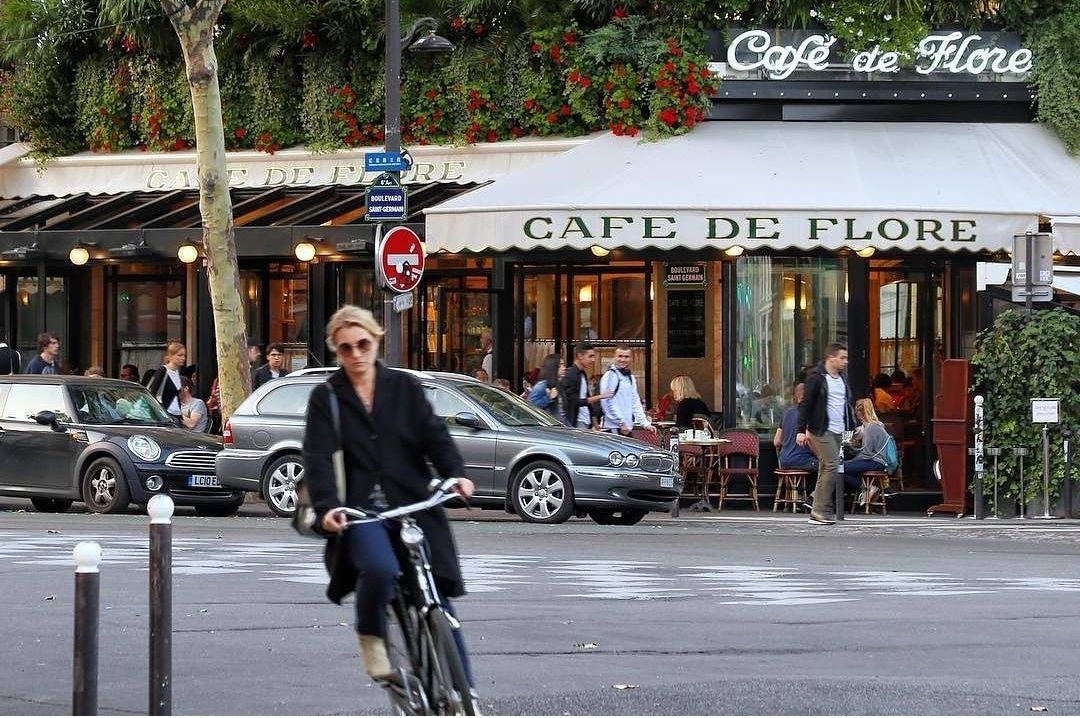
<point>48,349</point>
<point>824,415</point>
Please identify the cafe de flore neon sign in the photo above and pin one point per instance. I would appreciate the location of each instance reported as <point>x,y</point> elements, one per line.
<point>943,52</point>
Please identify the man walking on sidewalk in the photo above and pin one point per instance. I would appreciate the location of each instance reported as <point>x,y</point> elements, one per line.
<point>824,415</point>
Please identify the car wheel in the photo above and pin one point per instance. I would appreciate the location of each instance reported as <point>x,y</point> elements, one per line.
<point>613,517</point>
<point>51,506</point>
<point>279,484</point>
<point>542,493</point>
<point>217,509</point>
<point>104,487</point>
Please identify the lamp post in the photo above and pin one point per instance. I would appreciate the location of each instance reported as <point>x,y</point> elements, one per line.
<point>430,43</point>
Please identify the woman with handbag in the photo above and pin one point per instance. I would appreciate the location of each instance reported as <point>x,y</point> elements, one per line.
<point>381,420</point>
<point>165,383</point>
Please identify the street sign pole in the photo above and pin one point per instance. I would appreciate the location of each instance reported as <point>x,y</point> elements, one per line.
<point>392,141</point>
<point>1029,239</point>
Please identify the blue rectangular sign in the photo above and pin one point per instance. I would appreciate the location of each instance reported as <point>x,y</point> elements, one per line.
<point>385,203</point>
<point>384,162</point>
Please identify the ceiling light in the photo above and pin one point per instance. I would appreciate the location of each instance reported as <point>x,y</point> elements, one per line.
<point>188,252</point>
<point>865,251</point>
<point>79,255</point>
<point>304,251</point>
<point>599,251</point>
<point>734,250</point>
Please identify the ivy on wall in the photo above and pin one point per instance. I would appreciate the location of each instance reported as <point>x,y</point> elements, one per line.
<point>310,71</point>
<point>1017,360</point>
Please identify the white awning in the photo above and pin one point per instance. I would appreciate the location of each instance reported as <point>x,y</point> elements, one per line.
<point>134,171</point>
<point>779,185</point>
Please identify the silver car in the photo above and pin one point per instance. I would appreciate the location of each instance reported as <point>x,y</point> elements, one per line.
<point>521,459</point>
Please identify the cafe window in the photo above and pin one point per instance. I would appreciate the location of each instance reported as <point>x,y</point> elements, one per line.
<point>28,300</point>
<point>787,310</point>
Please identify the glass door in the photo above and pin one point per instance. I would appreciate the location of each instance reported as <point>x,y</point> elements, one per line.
<point>451,326</point>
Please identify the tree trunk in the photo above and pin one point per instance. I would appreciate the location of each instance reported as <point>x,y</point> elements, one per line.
<point>194,25</point>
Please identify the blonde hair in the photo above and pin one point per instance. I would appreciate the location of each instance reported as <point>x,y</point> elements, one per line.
<point>866,408</point>
<point>351,315</point>
<point>682,387</point>
<point>95,371</point>
<point>172,349</point>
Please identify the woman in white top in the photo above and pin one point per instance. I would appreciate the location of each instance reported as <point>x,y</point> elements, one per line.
<point>165,384</point>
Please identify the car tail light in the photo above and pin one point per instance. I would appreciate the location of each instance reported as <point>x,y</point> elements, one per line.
<point>226,434</point>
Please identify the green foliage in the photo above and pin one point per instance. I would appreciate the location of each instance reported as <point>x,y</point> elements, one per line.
<point>42,104</point>
<point>1016,360</point>
<point>1055,43</point>
<point>31,26</point>
<point>103,103</point>
<point>162,116</point>
<point>892,25</point>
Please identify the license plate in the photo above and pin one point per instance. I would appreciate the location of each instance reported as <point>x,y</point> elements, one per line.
<point>667,482</point>
<point>203,480</point>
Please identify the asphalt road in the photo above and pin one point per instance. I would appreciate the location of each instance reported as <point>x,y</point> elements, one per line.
<point>740,614</point>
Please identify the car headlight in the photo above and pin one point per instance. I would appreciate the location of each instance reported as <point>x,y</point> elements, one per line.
<point>632,461</point>
<point>144,447</point>
<point>615,458</point>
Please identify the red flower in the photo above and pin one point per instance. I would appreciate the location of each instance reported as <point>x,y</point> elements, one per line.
<point>669,66</point>
<point>530,104</point>
<point>584,81</point>
<point>479,29</point>
<point>556,54</point>
<point>631,130</point>
<point>564,110</point>
<point>492,136</point>
<point>616,128</point>
<point>535,48</point>
<point>308,39</point>
<point>240,133</point>
<point>609,86</point>
<point>457,23</point>
<point>569,39</point>
<point>573,76</point>
<point>551,118</point>
<point>179,145</point>
<point>620,13</point>
<point>624,104</point>
<point>517,131</point>
<point>431,95</point>
<point>129,44</point>
<point>692,86</point>
<point>669,116</point>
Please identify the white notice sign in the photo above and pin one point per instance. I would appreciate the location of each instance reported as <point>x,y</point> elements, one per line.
<point>1044,411</point>
<point>403,301</point>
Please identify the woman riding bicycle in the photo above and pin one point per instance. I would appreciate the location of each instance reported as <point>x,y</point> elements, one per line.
<point>388,433</point>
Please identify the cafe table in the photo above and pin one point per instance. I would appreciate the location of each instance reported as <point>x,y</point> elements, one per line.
<point>711,461</point>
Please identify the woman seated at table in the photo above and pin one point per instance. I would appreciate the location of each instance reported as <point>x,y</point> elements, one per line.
<point>688,402</point>
<point>871,456</point>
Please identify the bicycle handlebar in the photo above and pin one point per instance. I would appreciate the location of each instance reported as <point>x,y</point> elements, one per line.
<point>441,494</point>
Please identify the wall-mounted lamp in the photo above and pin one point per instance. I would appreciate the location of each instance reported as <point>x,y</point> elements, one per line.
<point>734,250</point>
<point>79,255</point>
<point>865,252</point>
<point>599,251</point>
<point>585,293</point>
<point>188,252</point>
<point>304,251</point>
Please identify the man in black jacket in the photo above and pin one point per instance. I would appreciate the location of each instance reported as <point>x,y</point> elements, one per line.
<point>274,368</point>
<point>824,415</point>
<point>581,404</point>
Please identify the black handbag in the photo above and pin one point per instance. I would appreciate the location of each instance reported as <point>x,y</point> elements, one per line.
<point>304,521</point>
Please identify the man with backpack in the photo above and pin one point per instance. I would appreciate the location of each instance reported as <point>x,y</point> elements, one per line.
<point>10,359</point>
<point>622,408</point>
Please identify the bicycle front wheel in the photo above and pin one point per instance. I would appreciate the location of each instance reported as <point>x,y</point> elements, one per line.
<point>450,692</point>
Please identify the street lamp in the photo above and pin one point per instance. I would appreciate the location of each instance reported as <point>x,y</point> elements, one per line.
<point>430,44</point>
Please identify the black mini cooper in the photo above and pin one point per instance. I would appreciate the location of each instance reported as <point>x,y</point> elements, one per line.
<point>105,442</point>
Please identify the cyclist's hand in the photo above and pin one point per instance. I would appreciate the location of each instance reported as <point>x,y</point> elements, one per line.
<point>334,521</point>
<point>464,487</point>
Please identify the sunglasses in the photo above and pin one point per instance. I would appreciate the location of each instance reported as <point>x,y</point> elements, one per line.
<point>362,345</point>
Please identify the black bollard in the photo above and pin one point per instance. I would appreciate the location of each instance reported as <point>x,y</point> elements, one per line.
<point>84,678</point>
<point>1066,488</point>
<point>160,509</point>
<point>838,491</point>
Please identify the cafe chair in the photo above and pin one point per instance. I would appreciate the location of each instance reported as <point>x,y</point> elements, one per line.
<point>790,487</point>
<point>702,423</point>
<point>872,485</point>
<point>650,436</point>
<point>738,459</point>
<point>692,465</point>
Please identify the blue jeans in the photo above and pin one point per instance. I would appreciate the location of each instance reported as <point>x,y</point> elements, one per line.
<point>372,554</point>
<point>854,469</point>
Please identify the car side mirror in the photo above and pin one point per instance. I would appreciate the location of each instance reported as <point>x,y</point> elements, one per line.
<point>47,418</point>
<point>469,419</point>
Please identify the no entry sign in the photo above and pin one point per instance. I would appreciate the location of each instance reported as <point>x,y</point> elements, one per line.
<point>400,259</point>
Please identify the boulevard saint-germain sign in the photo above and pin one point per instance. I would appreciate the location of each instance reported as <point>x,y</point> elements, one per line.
<point>941,53</point>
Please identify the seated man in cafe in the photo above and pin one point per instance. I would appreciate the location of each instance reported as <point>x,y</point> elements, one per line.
<point>790,454</point>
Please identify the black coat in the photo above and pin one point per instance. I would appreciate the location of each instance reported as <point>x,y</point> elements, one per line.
<point>571,386</point>
<point>814,408</point>
<point>391,447</point>
<point>262,375</point>
<point>162,387</point>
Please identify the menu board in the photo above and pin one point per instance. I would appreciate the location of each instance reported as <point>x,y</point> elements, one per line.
<point>686,324</point>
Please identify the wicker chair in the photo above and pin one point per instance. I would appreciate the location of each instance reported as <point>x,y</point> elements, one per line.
<point>743,449</point>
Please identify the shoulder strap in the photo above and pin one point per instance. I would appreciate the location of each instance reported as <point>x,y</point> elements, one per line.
<point>338,458</point>
<point>335,411</point>
<point>618,381</point>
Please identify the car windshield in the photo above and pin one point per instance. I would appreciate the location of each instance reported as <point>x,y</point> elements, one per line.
<point>118,405</point>
<point>508,409</point>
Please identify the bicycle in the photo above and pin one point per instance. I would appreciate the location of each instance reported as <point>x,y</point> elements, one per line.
<point>430,678</point>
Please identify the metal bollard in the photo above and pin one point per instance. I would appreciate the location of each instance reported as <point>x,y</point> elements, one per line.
<point>1066,487</point>
<point>995,453</point>
<point>1046,473</point>
<point>84,677</point>
<point>979,511</point>
<point>1021,452</point>
<point>160,509</point>
<point>838,490</point>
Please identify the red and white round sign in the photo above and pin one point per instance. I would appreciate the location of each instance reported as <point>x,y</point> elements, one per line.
<point>400,259</point>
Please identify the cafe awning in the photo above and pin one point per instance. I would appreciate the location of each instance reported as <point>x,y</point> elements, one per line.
<point>779,185</point>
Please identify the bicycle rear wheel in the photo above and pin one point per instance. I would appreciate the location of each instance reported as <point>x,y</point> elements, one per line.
<point>449,690</point>
<point>407,694</point>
